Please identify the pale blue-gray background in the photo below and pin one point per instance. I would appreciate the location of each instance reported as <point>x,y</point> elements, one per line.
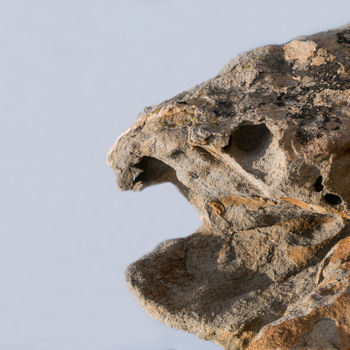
<point>73,75</point>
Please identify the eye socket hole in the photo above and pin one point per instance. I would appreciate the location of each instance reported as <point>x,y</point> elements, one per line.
<point>318,184</point>
<point>332,199</point>
<point>247,137</point>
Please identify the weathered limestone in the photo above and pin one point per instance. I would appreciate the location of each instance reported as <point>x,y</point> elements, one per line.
<point>263,152</point>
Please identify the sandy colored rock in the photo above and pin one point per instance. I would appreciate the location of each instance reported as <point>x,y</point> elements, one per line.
<point>262,151</point>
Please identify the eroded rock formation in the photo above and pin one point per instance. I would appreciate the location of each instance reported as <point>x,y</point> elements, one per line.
<point>262,151</point>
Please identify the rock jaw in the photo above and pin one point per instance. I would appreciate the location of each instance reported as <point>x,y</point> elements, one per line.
<point>263,152</point>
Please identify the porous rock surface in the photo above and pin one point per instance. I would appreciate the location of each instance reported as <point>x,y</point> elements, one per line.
<point>262,151</point>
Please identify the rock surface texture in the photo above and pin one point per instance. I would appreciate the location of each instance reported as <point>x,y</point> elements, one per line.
<point>262,151</point>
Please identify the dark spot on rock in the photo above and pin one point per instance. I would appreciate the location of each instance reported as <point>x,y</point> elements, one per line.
<point>176,154</point>
<point>224,108</point>
<point>318,184</point>
<point>343,37</point>
<point>302,137</point>
<point>279,99</point>
<point>326,119</point>
<point>294,116</point>
<point>224,104</point>
<point>310,113</point>
<point>332,199</point>
<point>193,175</point>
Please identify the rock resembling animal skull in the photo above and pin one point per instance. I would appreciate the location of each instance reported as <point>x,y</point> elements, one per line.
<point>263,152</point>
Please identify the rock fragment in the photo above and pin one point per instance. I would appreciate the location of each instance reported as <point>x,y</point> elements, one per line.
<point>262,151</point>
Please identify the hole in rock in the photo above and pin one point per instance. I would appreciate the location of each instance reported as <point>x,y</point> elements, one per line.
<point>332,199</point>
<point>318,184</point>
<point>248,144</point>
<point>248,138</point>
<point>155,171</point>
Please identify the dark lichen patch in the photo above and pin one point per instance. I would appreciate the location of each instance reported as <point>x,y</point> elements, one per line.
<point>294,115</point>
<point>310,113</point>
<point>291,94</point>
<point>313,121</point>
<point>224,108</point>
<point>193,175</point>
<point>279,99</point>
<point>302,137</point>
<point>325,76</point>
<point>343,37</point>
<point>260,97</point>
<point>219,93</point>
